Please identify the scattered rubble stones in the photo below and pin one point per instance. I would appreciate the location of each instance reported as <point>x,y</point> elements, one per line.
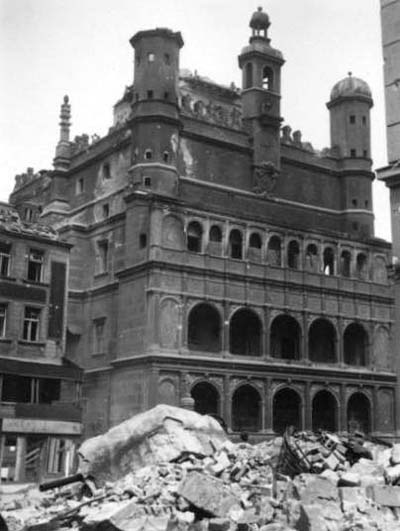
<point>234,487</point>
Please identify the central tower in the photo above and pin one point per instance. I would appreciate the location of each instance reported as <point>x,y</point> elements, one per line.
<point>261,91</point>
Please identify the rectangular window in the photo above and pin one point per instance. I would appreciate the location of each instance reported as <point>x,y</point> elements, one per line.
<point>16,389</point>
<point>102,257</point>
<point>98,336</point>
<point>56,455</point>
<point>31,324</point>
<point>352,119</point>
<point>79,186</point>
<point>3,319</point>
<point>353,153</point>
<point>106,210</point>
<point>35,265</point>
<point>5,250</point>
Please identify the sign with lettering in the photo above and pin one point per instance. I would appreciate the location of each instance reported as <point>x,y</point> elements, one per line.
<point>53,427</point>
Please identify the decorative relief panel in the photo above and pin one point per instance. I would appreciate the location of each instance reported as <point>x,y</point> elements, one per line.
<point>385,413</point>
<point>168,392</point>
<point>169,323</point>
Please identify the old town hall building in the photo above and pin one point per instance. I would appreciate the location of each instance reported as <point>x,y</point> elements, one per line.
<point>217,257</point>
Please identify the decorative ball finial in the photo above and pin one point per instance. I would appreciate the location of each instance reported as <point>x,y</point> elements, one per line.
<point>66,99</point>
<point>350,74</point>
<point>259,20</point>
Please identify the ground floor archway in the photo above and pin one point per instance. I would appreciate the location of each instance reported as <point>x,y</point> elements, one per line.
<point>358,413</point>
<point>286,410</point>
<point>246,409</point>
<point>206,399</point>
<point>324,412</point>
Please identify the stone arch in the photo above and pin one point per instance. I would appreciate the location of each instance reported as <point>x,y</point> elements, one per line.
<point>246,409</point>
<point>379,271</point>
<point>359,413</point>
<point>255,247</point>
<point>345,263</point>
<point>382,348</point>
<point>293,255</point>
<point>169,323</point>
<point>355,345</point>
<point>204,328</point>
<point>236,244</point>
<point>215,240</point>
<point>311,258</point>
<point>172,233</point>
<point>329,261</point>
<point>245,333</point>
<point>194,237</point>
<point>206,398</point>
<point>324,411</point>
<point>267,78</point>
<point>286,409</point>
<point>274,251</point>
<point>322,341</point>
<point>362,266</point>
<point>285,338</point>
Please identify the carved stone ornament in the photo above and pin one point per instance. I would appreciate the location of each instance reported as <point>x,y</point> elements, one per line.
<point>265,176</point>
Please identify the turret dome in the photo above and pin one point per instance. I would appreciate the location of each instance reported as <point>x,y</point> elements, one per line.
<point>259,20</point>
<point>351,86</point>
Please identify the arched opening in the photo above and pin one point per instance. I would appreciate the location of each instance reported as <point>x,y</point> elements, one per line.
<point>194,236</point>
<point>245,333</point>
<point>248,82</point>
<point>235,244</point>
<point>329,261</point>
<point>246,409</point>
<point>215,234</point>
<point>274,256</point>
<point>324,411</point>
<point>321,342</point>
<point>355,341</point>
<point>345,263</point>
<point>255,244</point>
<point>286,410</point>
<point>268,78</point>
<point>285,338</point>
<point>358,413</point>
<point>204,331</point>
<point>206,399</point>
<point>362,266</point>
<point>293,255</point>
<point>311,257</point>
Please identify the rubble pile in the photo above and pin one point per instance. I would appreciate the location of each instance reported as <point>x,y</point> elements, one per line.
<point>303,482</point>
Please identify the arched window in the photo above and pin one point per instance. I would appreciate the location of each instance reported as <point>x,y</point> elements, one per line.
<point>324,411</point>
<point>355,341</point>
<point>312,257</point>
<point>215,234</point>
<point>245,333</point>
<point>235,244</point>
<point>248,82</point>
<point>345,263</point>
<point>329,261</point>
<point>255,241</point>
<point>285,338</point>
<point>358,413</point>
<point>293,255</point>
<point>206,399</point>
<point>268,78</point>
<point>194,237</point>
<point>362,266</point>
<point>246,409</point>
<point>321,342</point>
<point>204,332</point>
<point>286,410</point>
<point>274,256</point>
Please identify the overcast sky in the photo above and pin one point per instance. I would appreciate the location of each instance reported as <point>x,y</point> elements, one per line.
<point>80,47</point>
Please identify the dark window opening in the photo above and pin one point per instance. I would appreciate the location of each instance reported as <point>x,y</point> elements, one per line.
<point>5,252</point>
<point>79,186</point>
<point>31,324</point>
<point>167,58</point>
<point>245,333</point>
<point>148,154</point>
<point>355,225</point>
<point>49,390</point>
<point>293,255</point>
<point>274,256</point>
<point>142,240</point>
<point>355,341</point>
<point>249,76</point>
<point>166,95</point>
<point>324,412</point>
<point>106,210</point>
<point>268,77</point>
<point>246,409</point>
<point>166,156</point>
<point>322,342</point>
<point>204,331</point>
<point>362,266</point>
<point>206,399</point>
<point>102,257</point>
<point>35,265</point>
<point>255,241</point>
<point>3,319</point>
<point>106,170</point>
<point>16,389</point>
<point>147,182</point>
<point>286,410</point>
<point>194,237</point>
<point>358,414</point>
<point>352,119</point>
<point>353,153</point>
<point>345,262</point>
<point>28,214</point>
<point>235,244</point>
<point>312,257</point>
<point>150,94</point>
<point>329,261</point>
<point>366,203</point>
<point>99,346</point>
<point>354,202</point>
<point>364,120</point>
<point>215,234</point>
<point>365,153</point>
<point>285,338</point>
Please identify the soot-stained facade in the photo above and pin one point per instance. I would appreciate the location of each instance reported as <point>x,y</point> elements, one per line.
<point>217,257</point>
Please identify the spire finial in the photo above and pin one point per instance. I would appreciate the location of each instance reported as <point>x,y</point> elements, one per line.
<point>65,116</point>
<point>350,74</point>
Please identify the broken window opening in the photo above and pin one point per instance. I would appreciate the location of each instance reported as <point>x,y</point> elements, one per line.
<point>355,342</point>
<point>358,414</point>
<point>194,237</point>
<point>274,255</point>
<point>286,410</point>
<point>362,266</point>
<point>329,261</point>
<point>268,78</point>
<point>285,338</point>
<point>31,324</point>
<point>215,234</point>
<point>206,399</point>
<point>49,390</point>
<point>293,256</point>
<point>324,412</point>
<point>204,329</point>
<point>35,265</point>
<point>311,257</point>
<point>236,244</point>
<point>322,342</point>
<point>255,241</point>
<point>246,409</point>
<point>16,389</point>
<point>5,254</point>
<point>245,332</point>
<point>3,319</point>
<point>345,262</point>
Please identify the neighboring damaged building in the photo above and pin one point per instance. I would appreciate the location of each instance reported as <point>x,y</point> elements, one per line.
<point>40,418</point>
<point>219,260</point>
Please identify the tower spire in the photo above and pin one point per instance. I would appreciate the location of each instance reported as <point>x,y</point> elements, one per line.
<point>65,116</point>
<point>63,149</point>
